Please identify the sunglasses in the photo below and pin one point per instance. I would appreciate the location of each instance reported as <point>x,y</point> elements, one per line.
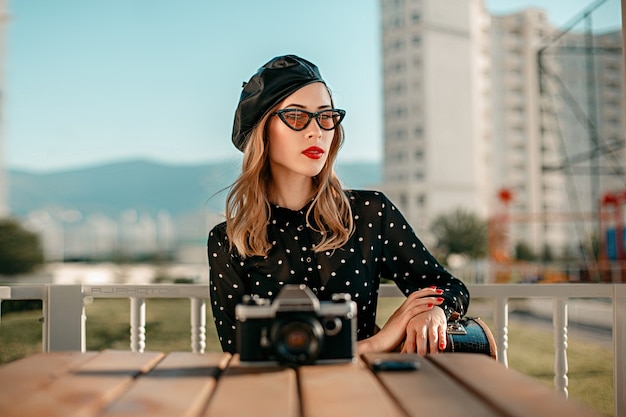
<point>298,119</point>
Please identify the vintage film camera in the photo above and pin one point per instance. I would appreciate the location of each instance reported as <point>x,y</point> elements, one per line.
<point>296,329</point>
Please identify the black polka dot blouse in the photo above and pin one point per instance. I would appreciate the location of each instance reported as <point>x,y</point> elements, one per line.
<point>383,246</point>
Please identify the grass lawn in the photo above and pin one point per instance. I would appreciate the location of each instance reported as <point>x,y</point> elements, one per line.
<point>168,329</point>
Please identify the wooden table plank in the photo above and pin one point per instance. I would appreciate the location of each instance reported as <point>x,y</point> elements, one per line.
<point>509,391</point>
<point>86,389</point>
<point>344,390</point>
<point>255,391</point>
<point>179,385</point>
<point>185,384</point>
<point>20,378</point>
<point>429,391</point>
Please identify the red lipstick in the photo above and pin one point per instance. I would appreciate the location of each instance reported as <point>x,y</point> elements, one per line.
<point>313,152</point>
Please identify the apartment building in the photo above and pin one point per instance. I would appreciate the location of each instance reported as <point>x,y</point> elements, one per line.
<point>437,107</point>
<point>469,111</point>
<point>590,73</point>
<point>526,130</point>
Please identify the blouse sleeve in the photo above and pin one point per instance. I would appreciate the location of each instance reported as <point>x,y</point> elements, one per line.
<point>226,287</point>
<point>411,266</point>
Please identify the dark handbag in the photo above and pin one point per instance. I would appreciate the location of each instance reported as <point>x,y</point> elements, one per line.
<point>471,335</point>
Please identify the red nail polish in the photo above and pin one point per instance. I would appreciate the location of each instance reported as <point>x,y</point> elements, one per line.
<point>433,287</point>
<point>442,346</point>
<point>439,299</point>
<point>439,291</point>
<point>429,305</point>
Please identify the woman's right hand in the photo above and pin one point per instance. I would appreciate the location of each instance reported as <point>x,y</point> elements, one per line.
<point>394,331</point>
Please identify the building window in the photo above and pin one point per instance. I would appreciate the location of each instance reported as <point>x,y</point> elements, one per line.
<point>400,111</point>
<point>403,202</point>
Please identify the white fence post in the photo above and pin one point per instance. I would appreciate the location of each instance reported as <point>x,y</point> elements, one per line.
<point>198,324</point>
<point>64,327</point>
<point>501,324</point>
<point>619,346</point>
<point>5,293</point>
<point>137,324</point>
<point>559,324</point>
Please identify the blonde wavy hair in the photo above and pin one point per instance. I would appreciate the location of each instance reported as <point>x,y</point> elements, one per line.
<point>248,207</point>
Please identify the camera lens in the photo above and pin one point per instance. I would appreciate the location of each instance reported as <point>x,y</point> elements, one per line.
<point>332,326</point>
<point>297,340</point>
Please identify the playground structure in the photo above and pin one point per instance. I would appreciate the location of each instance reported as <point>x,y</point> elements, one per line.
<point>607,262</point>
<point>595,217</point>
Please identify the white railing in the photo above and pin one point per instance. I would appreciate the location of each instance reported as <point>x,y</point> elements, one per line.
<point>64,316</point>
<point>64,313</point>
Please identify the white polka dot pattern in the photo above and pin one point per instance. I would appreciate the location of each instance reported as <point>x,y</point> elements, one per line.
<point>383,246</point>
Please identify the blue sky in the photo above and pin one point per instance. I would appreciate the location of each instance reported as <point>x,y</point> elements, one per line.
<point>96,81</point>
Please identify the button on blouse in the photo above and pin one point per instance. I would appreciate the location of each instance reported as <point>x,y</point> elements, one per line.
<point>382,246</point>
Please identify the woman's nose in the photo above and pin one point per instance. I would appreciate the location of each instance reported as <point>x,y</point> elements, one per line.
<point>313,129</point>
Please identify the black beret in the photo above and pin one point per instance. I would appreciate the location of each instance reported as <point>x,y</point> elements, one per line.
<point>272,83</point>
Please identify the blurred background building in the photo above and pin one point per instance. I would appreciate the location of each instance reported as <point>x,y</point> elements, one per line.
<point>519,150</point>
<point>501,115</point>
<point>436,77</point>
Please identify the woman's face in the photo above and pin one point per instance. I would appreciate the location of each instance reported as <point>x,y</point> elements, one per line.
<point>300,153</point>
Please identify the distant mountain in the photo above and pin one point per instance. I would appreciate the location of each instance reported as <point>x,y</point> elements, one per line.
<point>145,186</point>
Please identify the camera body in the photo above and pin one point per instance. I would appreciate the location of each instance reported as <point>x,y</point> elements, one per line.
<point>296,329</point>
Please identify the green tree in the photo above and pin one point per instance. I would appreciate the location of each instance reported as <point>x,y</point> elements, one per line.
<point>20,249</point>
<point>547,255</point>
<point>523,252</point>
<point>460,232</point>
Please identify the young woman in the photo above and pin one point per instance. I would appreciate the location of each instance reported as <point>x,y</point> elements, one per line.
<point>289,221</point>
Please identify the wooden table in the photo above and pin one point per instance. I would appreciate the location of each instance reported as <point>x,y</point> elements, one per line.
<point>121,383</point>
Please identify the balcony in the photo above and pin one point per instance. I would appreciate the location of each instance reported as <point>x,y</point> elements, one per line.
<point>63,311</point>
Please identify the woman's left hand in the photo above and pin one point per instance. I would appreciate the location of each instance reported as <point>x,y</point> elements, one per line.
<point>426,332</point>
